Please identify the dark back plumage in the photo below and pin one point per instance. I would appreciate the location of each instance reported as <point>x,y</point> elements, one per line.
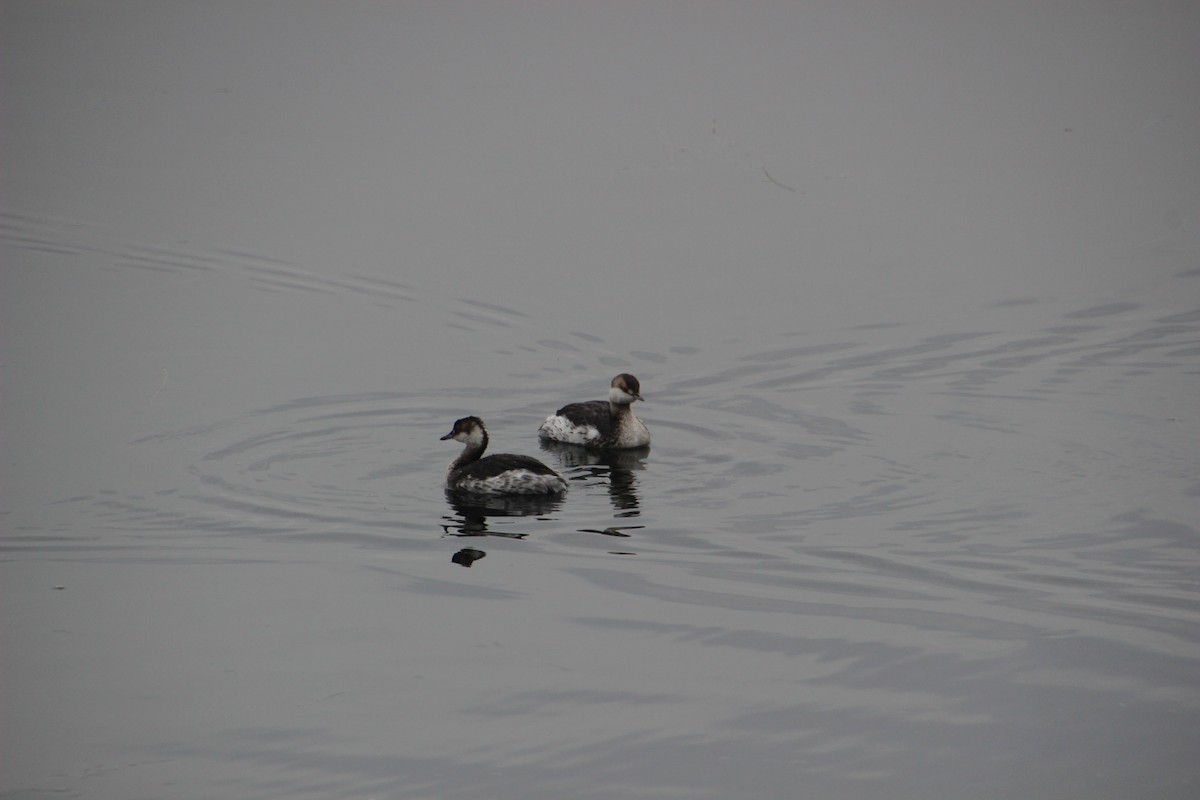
<point>596,413</point>
<point>499,463</point>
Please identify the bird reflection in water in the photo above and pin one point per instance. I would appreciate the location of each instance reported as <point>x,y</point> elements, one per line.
<point>471,512</point>
<point>615,467</point>
<point>614,530</point>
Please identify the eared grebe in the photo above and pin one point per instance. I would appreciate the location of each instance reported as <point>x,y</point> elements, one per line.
<point>503,473</point>
<point>597,423</point>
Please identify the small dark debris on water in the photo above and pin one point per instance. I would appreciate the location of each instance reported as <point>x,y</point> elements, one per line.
<point>467,556</point>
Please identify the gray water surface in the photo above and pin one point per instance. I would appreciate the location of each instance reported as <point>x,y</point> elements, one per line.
<point>913,293</point>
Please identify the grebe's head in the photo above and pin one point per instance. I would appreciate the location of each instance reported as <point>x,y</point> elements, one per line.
<point>468,430</point>
<point>624,389</point>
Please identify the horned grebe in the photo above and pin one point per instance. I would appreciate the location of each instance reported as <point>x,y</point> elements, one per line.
<point>597,423</point>
<point>503,473</point>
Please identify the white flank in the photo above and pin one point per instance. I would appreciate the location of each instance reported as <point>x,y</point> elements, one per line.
<point>561,429</point>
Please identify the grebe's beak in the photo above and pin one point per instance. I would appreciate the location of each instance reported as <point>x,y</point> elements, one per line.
<point>449,435</point>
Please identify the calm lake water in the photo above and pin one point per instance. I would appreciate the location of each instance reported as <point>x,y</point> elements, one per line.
<point>913,294</point>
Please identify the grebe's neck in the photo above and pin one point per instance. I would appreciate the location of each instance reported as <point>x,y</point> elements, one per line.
<point>619,410</point>
<point>476,443</point>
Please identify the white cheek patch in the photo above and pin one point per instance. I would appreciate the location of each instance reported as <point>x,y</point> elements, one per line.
<point>620,396</point>
<point>561,429</point>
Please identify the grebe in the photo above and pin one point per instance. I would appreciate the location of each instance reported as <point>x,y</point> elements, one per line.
<point>597,423</point>
<point>503,473</point>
